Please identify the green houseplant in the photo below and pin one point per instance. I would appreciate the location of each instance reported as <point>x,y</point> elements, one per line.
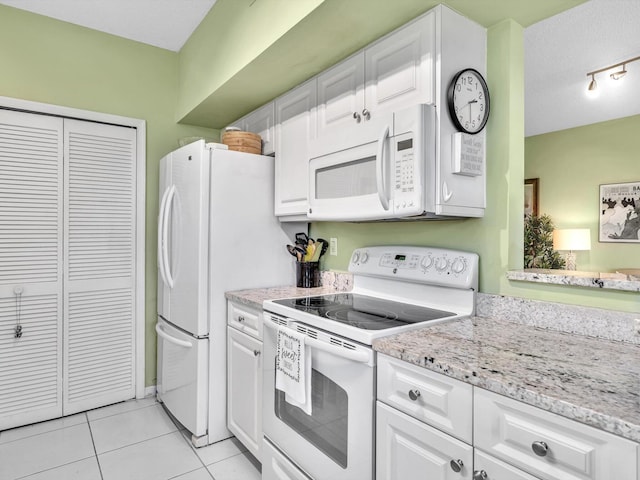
<point>538,243</point>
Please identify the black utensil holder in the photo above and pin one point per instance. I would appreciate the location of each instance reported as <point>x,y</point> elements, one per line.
<point>307,274</point>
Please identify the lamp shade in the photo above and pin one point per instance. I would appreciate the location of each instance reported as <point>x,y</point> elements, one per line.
<point>572,239</point>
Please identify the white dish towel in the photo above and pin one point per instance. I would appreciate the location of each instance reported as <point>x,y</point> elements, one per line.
<point>293,369</point>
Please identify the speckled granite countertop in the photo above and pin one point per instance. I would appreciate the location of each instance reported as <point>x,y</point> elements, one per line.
<point>255,296</point>
<point>593,381</point>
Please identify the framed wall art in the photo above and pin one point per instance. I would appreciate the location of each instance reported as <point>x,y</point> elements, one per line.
<point>620,213</point>
<point>531,196</point>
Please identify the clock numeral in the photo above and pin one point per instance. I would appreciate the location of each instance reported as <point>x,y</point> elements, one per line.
<point>482,107</point>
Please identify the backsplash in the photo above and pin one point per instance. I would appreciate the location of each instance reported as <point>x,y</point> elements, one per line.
<point>341,281</point>
<point>592,322</point>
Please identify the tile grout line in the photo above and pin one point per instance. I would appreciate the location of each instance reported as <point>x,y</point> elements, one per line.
<point>193,448</point>
<point>93,443</point>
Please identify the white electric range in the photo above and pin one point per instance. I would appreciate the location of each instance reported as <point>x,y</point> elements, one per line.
<point>395,289</point>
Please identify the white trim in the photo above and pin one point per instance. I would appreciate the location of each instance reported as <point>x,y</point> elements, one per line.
<point>150,391</point>
<point>141,155</point>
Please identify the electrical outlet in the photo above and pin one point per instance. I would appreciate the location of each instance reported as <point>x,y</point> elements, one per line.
<point>333,246</point>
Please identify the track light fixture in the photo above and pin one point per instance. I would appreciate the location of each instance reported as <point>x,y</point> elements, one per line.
<point>617,75</point>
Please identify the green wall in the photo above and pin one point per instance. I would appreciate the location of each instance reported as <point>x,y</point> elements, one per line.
<point>571,165</point>
<point>49,61</point>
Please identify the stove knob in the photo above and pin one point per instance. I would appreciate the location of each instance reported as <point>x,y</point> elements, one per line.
<point>356,257</point>
<point>426,262</point>
<point>458,265</point>
<point>442,264</point>
<point>364,257</point>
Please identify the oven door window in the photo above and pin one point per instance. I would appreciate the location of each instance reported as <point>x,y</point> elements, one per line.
<point>327,427</point>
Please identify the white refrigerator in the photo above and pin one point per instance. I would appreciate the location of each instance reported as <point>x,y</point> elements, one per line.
<point>216,232</point>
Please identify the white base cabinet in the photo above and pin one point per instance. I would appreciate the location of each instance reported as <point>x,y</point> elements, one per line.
<point>244,376</point>
<point>405,446</point>
<point>549,446</point>
<point>510,440</point>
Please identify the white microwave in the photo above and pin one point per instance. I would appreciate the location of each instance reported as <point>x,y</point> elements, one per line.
<point>397,175</point>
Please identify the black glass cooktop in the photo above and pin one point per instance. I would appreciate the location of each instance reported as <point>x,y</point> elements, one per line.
<point>364,312</point>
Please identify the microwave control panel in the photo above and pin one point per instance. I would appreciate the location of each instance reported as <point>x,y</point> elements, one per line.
<point>406,188</point>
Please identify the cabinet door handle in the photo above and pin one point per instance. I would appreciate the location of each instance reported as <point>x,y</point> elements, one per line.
<point>357,117</point>
<point>241,318</point>
<point>480,475</point>
<point>456,465</point>
<point>414,394</point>
<point>256,353</point>
<point>540,448</point>
<point>366,114</point>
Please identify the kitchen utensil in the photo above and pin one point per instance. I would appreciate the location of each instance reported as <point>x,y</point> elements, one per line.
<point>302,239</point>
<point>317,251</point>
<point>325,246</point>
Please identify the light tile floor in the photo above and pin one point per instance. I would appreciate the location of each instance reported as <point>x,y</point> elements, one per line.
<point>134,440</point>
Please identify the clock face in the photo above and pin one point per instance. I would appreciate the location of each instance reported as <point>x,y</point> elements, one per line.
<point>468,100</point>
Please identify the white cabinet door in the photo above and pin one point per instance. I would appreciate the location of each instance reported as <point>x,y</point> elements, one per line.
<point>488,468</point>
<point>262,122</point>
<point>244,389</point>
<point>340,100</point>
<point>405,446</point>
<point>100,276</point>
<point>31,196</point>
<point>400,68</point>
<point>295,128</point>
<point>547,445</point>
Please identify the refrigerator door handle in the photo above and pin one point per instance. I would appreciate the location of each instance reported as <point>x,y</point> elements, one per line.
<point>170,339</point>
<point>163,205</point>
<point>165,236</point>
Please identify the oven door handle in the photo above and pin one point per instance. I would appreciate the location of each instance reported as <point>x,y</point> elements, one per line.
<point>353,355</point>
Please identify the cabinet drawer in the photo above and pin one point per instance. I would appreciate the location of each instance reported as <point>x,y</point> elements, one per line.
<point>405,446</point>
<point>435,399</point>
<point>486,467</point>
<point>245,319</point>
<point>566,450</point>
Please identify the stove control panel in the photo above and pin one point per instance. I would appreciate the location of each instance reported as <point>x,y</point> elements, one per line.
<point>438,266</point>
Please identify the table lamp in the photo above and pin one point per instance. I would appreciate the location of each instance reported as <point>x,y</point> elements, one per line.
<point>571,240</point>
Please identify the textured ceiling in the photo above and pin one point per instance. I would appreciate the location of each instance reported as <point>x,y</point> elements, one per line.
<point>162,23</point>
<point>559,52</point>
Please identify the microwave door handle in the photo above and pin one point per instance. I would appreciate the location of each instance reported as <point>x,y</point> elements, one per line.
<point>380,170</point>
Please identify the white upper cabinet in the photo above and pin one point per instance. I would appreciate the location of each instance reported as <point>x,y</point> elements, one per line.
<point>399,68</point>
<point>341,97</point>
<point>395,72</point>
<point>295,128</point>
<point>262,122</point>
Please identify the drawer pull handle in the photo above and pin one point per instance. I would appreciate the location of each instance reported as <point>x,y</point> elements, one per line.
<point>480,475</point>
<point>256,353</point>
<point>241,318</point>
<point>456,465</point>
<point>540,448</point>
<point>414,394</point>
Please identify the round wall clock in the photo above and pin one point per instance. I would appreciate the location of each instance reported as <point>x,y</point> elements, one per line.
<point>468,101</point>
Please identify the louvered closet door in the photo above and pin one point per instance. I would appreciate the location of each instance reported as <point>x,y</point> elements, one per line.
<point>31,263</point>
<point>100,256</point>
